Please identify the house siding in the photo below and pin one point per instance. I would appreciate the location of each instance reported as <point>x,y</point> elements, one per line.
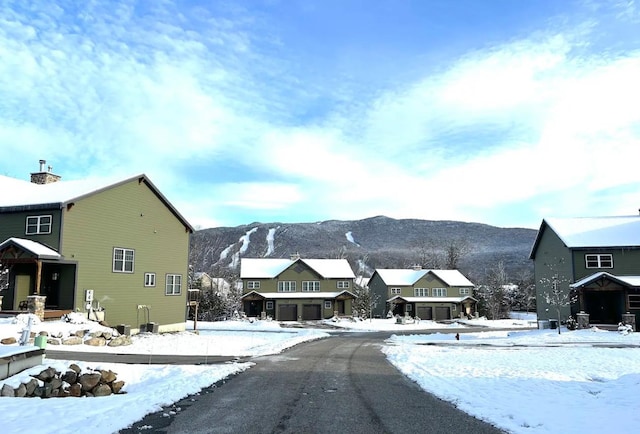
<point>552,257</point>
<point>13,224</point>
<point>625,261</point>
<point>131,216</point>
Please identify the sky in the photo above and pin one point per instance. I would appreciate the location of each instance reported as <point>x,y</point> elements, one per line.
<point>497,111</point>
<point>529,382</point>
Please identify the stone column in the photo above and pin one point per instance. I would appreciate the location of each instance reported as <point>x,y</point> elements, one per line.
<point>35,305</point>
<point>583,320</point>
<point>629,319</point>
<point>1,296</point>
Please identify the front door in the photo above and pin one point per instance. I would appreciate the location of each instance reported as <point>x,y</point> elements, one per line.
<point>22,286</point>
<point>604,307</point>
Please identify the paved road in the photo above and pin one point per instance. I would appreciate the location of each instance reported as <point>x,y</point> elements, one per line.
<point>342,384</point>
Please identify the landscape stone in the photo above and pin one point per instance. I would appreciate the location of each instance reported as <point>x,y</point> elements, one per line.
<point>89,381</point>
<point>73,340</point>
<point>21,391</point>
<point>96,342</point>
<point>108,376</point>
<point>7,391</point>
<point>75,368</point>
<point>101,390</point>
<point>8,341</point>
<point>117,386</point>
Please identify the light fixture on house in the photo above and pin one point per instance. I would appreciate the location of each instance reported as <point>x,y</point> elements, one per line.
<point>54,276</point>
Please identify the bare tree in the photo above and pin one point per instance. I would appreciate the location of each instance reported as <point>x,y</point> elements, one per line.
<point>454,251</point>
<point>492,294</point>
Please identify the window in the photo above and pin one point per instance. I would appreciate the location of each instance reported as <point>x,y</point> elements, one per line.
<point>269,305</point>
<point>122,260</point>
<point>439,292</point>
<point>173,284</point>
<point>311,285</point>
<point>634,301</point>
<point>39,224</point>
<point>599,261</point>
<point>395,291</point>
<point>465,291</point>
<point>253,284</point>
<point>149,279</point>
<point>421,292</point>
<point>287,286</point>
<point>327,304</point>
<point>343,284</point>
<point>409,307</point>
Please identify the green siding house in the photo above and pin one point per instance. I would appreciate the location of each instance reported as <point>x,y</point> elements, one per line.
<point>114,250</point>
<point>427,294</point>
<point>594,262</point>
<point>296,289</point>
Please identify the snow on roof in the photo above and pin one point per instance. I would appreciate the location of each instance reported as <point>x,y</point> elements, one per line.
<point>38,249</point>
<point>16,192</point>
<point>299,295</point>
<point>628,280</point>
<point>266,268</point>
<point>430,299</point>
<point>620,231</point>
<point>407,277</point>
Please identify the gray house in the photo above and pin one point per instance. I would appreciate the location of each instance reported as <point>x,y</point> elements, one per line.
<point>595,261</point>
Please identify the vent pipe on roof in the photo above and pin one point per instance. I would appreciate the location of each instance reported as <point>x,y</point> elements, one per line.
<point>42,163</point>
<point>44,176</point>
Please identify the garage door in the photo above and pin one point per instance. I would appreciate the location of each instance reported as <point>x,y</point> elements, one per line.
<point>425,312</point>
<point>311,312</point>
<point>287,312</point>
<point>443,313</point>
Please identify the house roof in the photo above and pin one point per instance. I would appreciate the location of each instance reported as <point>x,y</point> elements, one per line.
<point>35,248</point>
<point>431,299</point>
<point>593,232</point>
<point>268,268</point>
<point>299,295</point>
<point>20,195</point>
<point>624,280</point>
<point>408,277</point>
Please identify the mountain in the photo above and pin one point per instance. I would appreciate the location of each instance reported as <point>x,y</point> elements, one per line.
<point>377,242</point>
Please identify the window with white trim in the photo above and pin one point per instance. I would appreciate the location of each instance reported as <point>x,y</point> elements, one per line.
<point>327,304</point>
<point>311,285</point>
<point>439,292</point>
<point>343,284</point>
<point>253,284</point>
<point>149,279</point>
<point>173,284</point>
<point>396,291</point>
<point>599,261</point>
<point>287,286</point>
<point>421,292</point>
<point>409,307</point>
<point>465,291</point>
<point>269,305</point>
<point>123,260</point>
<point>38,224</point>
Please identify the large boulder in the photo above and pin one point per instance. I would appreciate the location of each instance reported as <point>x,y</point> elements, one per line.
<point>89,380</point>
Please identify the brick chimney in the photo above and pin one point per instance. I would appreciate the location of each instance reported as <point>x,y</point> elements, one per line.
<point>44,177</point>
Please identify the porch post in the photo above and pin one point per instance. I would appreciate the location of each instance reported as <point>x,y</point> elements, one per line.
<point>35,305</point>
<point>38,275</point>
<point>629,319</point>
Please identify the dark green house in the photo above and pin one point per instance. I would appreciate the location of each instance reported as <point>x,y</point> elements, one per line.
<point>115,250</point>
<point>595,262</point>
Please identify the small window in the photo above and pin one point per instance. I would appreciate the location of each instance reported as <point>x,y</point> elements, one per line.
<point>465,291</point>
<point>149,279</point>
<point>173,284</point>
<point>634,301</point>
<point>421,292</point>
<point>287,286</point>
<point>453,307</point>
<point>343,284</point>
<point>122,260</point>
<point>253,284</point>
<point>439,292</point>
<point>269,305</point>
<point>599,261</point>
<point>311,285</point>
<point>39,224</point>
<point>409,307</point>
<point>327,304</point>
<point>395,291</point>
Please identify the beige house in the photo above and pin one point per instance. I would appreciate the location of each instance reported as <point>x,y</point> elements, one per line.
<point>115,249</point>
<point>296,289</point>
<point>427,294</point>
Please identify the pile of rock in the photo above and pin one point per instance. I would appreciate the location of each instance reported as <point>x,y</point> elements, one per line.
<point>51,383</point>
<point>93,338</point>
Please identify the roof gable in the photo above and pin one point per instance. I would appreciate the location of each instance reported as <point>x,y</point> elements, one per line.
<point>592,232</point>
<point>269,268</point>
<point>409,277</point>
<point>18,194</point>
<point>34,248</point>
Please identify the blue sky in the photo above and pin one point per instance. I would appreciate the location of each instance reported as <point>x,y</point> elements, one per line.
<point>498,111</point>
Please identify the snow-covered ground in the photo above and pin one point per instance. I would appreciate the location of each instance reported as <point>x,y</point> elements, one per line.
<point>529,381</point>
